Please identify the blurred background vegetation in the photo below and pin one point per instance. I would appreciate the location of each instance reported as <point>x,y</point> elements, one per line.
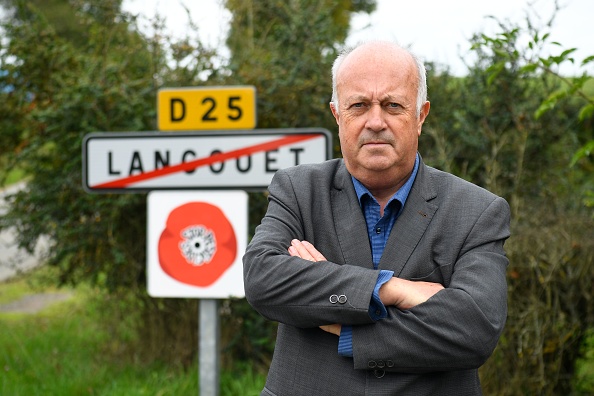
<point>513,124</point>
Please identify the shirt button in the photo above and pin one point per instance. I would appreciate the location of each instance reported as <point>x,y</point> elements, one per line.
<point>378,230</point>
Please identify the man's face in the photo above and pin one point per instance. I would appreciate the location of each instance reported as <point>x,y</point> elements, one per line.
<point>377,120</point>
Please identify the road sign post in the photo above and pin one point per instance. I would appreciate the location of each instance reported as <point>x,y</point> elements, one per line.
<point>195,240</point>
<point>210,108</point>
<point>207,141</point>
<point>208,348</point>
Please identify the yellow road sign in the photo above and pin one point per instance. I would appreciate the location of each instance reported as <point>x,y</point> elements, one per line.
<point>206,108</point>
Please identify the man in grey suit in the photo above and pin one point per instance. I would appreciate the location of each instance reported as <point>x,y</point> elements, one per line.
<point>387,276</point>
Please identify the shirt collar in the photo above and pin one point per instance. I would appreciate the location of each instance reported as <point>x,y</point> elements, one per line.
<point>401,195</point>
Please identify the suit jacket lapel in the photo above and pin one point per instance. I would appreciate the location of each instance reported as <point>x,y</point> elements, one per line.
<point>351,228</point>
<point>412,223</point>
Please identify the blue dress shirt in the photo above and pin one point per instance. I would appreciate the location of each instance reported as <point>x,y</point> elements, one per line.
<point>378,230</point>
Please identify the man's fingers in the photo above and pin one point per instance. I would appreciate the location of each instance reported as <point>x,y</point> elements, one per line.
<point>406,294</point>
<point>297,249</point>
<point>305,250</point>
<point>292,251</point>
<point>332,329</point>
<point>313,251</point>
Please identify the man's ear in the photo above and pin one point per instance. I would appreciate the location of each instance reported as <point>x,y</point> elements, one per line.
<point>334,112</point>
<point>423,115</point>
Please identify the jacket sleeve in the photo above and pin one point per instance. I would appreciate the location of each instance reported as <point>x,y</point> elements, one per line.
<point>457,328</point>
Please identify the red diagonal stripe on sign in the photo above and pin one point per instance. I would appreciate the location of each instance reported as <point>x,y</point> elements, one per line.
<point>220,157</point>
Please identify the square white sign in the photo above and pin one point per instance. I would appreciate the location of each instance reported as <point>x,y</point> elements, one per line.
<point>195,243</point>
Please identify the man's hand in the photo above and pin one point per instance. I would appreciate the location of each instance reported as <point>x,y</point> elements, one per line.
<point>332,329</point>
<point>305,250</point>
<point>405,294</point>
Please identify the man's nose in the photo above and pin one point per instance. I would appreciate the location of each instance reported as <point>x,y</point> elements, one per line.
<point>375,118</point>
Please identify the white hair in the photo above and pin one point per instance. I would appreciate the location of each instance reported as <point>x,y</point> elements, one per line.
<point>421,73</point>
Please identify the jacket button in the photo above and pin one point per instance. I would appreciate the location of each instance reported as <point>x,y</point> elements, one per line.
<point>333,299</point>
<point>389,363</point>
<point>342,299</point>
<point>381,364</point>
<point>379,373</point>
<point>371,364</point>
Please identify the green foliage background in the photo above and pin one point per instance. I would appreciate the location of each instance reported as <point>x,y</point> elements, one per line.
<point>512,125</point>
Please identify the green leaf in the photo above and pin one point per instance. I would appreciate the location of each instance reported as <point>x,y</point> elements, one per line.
<point>567,52</point>
<point>586,112</point>
<point>494,71</point>
<point>583,152</point>
<point>588,60</point>
<point>543,108</point>
<point>545,61</point>
<point>529,68</point>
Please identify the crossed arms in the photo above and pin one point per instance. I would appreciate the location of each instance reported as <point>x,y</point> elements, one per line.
<point>401,293</point>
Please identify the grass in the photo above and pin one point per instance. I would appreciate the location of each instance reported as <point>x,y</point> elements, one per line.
<point>61,351</point>
<point>584,380</point>
<point>10,177</point>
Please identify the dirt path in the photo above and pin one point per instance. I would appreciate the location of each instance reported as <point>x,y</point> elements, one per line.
<point>34,303</point>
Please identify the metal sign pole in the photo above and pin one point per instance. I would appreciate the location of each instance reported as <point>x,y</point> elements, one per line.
<point>208,348</point>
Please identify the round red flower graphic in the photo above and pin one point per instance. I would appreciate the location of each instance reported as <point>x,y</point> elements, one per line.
<point>198,244</point>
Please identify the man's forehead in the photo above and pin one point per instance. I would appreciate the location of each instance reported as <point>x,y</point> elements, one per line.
<point>382,70</point>
<point>399,88</point>
<point>372,54</point>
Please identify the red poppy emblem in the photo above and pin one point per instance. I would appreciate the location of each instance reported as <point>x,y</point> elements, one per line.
<point>198,244</point>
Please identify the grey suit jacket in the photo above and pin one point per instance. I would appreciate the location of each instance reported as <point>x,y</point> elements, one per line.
<point>450,231</point>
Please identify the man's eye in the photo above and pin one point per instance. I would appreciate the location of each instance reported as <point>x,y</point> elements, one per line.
<point>393,105</point>
<point>357,105</point>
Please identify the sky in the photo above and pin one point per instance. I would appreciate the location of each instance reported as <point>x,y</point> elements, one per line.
<point>436,30</point>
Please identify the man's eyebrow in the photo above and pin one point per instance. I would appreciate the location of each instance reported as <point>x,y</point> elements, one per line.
<point>363,98</point>
<point>390,98</point>
<point>356,98</point>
